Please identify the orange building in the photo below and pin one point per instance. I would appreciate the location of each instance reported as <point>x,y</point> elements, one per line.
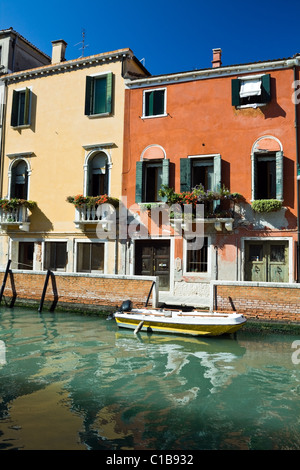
<point>222,130</point>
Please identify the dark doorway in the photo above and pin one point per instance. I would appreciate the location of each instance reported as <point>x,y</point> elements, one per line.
<point>152,258</point>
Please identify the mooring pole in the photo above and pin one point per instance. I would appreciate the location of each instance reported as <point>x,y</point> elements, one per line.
<point>44,291</point>
<point>5,279</point>
<point>149,293</point>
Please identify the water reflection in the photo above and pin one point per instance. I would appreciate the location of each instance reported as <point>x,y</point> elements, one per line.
<point>97,387</point>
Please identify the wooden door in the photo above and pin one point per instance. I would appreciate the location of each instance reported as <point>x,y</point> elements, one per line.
<point>266,261</point>
<point>152,258</point>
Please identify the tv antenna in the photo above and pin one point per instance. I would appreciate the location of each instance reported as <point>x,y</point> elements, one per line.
<point>83,45</point>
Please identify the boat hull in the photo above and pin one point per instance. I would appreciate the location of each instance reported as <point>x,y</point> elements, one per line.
<point>194,324</point>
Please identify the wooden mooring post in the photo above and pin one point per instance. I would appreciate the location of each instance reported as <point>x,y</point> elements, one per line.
<point>5,279</point>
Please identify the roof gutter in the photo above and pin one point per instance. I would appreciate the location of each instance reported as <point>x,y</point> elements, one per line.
<point>213,72</point>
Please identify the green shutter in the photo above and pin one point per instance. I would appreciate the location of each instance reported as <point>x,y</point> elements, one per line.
<point>89,96</point>
<point>217,172</point>
<point>279,175</point>
<point>139,179</point>
<point>14,109</point>
<point>266,88</point>
<point>27,107</point>
<point>235,92</point>
<point>106,178</point>
<point>254,177</point>
<point>185,174</point>
<point>165,174</point>
<point>109,90</point>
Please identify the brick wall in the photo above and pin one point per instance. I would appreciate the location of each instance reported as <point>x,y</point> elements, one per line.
<point>262,301</point>
<point>79,290</point>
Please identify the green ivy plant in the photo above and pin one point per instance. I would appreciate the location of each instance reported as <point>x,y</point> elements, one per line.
<point>266,205</point>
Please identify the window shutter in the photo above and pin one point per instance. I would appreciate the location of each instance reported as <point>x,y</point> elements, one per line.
<point>14,109</point>
<point>106,178</point>
<point>165,173</point>
<point>26,107</point>
<point>279,175</point>
<point>217,172</point>
<point>266,88</point>
<point>89,86</point>
<point>235,92</point>
<point>254,177</point>
<point>109,89</point>
<point>151,103</point>
<point>185,174</point>
<point>139,182</point>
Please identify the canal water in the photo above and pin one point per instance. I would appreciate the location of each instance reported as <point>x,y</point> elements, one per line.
<point>77,382</point>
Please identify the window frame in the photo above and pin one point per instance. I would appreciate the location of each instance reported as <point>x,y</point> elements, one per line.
<point>265,95</point>
<point>90,94</point>
<point>15,108</point>
<point>205,274</point>
<point>91,242</point>
<point>47,254</point>
<point>145,92</point>
<point>140,187</point>
<point>186,164</point>
<point>278,158</point>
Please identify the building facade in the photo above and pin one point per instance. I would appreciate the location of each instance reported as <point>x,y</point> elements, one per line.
<point>62,159</point>
<point>231,132</point>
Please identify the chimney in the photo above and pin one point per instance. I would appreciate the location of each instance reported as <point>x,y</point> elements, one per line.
<point>216,62</point>
<point>58,51</point>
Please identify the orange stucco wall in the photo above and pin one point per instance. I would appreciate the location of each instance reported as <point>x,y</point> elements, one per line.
<point>201,120</point>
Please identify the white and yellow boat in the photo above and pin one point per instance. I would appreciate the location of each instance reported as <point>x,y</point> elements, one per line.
<point>195,323</point>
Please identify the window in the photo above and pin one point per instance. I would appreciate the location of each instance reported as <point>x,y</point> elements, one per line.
<point>98,175</point>
<point>90,257</point>
<point>25,257</point>
<point>98,95</point>
<point>150,176</point>
<point>19,180</point>
<point>267,175</point>
<point>55,256</point>
<point>197,260</point>
<point>154,103</point>
<point>204,170</point>
<point>251,91</point>
<point>20,115</point>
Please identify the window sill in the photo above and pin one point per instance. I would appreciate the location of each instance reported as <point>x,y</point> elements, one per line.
<point>95,116</point>
<point>155,116</point>
<point>23,126</point>
<point>252,105</point>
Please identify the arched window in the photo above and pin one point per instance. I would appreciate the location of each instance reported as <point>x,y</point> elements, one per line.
<point>19,180</point>
<point>97,175</point>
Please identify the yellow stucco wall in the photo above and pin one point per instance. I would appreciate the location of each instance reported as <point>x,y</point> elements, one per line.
<point>59,129</point>
<point>57,135</point>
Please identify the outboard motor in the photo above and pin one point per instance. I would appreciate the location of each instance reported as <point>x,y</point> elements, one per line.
<point>126,306</point>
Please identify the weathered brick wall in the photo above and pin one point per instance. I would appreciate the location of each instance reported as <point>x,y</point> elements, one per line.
<point>80,289</point>
<point>262,301</point>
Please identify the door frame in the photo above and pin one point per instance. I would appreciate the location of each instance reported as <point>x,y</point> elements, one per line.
<point>290,241</point>
<point>171,240</point>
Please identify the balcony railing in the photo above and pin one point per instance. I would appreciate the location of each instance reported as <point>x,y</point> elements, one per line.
<point>16,216</point>
<point>89,215</point>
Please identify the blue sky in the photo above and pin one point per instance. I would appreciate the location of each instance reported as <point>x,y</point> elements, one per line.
<point>171,36</point>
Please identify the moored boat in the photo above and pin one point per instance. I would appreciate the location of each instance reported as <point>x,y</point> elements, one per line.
<point>195,322</point>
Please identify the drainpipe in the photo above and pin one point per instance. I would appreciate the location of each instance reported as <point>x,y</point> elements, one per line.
<point>2,137</point>
<point>298,178</point>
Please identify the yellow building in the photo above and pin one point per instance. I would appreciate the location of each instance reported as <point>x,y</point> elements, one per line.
<point>63,137</point>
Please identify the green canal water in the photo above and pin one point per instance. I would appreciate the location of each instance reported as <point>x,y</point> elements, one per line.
<point>77,382</point>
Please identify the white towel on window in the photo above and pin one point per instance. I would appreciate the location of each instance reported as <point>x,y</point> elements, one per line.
<point>250,88</point>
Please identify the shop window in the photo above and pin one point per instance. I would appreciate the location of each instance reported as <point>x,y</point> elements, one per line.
<point>55,256</point>
<point>90,257</point>
<point>25,255</point>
